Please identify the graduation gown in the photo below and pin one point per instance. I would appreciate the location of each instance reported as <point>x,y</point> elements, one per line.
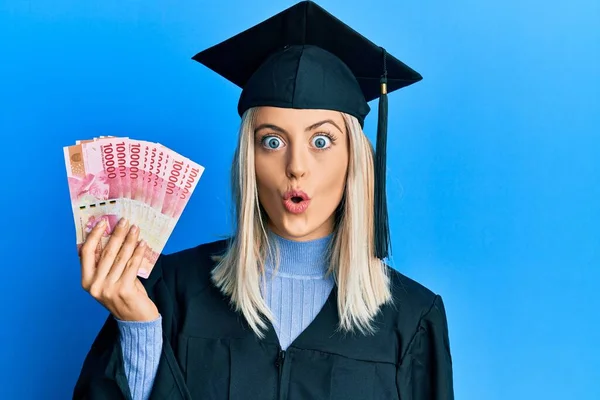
<point>210,353</point>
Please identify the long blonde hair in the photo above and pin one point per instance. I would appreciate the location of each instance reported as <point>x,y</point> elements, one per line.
<point>362,279</point>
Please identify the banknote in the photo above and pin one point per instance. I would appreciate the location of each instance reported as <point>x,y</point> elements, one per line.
<point>92,189</point>
<point>89,180</point>
<point>182,178</point>
<point>114,160</point>
<point>136,177</point>
<point>111,177</point>
<point>88,215</point>
<point>159,162</point>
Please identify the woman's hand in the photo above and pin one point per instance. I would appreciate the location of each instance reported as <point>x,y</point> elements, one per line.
<point>112,278</point>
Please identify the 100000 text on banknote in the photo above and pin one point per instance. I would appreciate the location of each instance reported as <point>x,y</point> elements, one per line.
<point>147,183</point>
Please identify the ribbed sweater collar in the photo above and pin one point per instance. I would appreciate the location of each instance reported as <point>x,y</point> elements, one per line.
<point>307,258</point>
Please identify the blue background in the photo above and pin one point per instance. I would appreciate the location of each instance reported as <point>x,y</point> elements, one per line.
<point>494,177</point>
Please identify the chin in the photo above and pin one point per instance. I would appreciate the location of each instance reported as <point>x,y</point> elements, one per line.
<point>293,228</point>
<point>297,227</point>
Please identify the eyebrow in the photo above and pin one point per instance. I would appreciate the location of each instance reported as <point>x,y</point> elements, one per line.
<point>310,128</point>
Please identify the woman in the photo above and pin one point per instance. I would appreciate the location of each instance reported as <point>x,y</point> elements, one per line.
<point>298,304</point>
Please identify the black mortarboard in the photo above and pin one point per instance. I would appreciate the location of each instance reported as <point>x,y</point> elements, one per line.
<point>304,57</point>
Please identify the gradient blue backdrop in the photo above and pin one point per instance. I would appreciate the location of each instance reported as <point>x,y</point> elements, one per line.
<point>494,174</point>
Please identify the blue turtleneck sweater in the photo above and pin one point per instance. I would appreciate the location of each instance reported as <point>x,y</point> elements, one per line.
<point>295,293</point>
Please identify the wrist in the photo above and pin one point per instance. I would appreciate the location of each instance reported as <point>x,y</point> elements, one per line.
<point>139,321</point>
<point>148,315</point>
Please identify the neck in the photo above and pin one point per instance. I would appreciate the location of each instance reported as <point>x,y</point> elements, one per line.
<point>307,258</point>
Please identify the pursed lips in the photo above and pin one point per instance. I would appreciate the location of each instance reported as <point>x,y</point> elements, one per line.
<point>296,201</point>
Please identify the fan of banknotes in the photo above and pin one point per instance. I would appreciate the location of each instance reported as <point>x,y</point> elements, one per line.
<point>114,177</point>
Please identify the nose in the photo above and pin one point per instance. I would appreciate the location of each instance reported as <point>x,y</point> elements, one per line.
<point>297,162</point>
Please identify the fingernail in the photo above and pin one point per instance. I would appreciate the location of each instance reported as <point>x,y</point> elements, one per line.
<point>134,229</point>
<point>143,273</point>
<point>142,243</point>
<point>102,223</point>
<point>122,222</point>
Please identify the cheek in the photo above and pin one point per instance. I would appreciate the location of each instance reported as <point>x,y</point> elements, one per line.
<point>333,181</point>
<point>267,179</point>
<point>265,171</point>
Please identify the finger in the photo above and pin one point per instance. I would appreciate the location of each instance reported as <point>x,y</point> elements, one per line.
<point>111,249</point>
<point>87,253</point>
<point>130,274</point>
<point>98,251</point>
<point>124,255</point>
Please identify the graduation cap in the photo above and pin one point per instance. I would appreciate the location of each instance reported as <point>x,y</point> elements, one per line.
<point>306,58</point>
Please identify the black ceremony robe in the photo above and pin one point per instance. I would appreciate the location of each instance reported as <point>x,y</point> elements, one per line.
<point>209,352</point>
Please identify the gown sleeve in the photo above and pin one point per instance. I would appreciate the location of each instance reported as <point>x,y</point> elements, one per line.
<point>103,376</point>
<point>425,370</point>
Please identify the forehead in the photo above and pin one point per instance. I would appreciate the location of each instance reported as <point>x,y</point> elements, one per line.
<point>292,118</point>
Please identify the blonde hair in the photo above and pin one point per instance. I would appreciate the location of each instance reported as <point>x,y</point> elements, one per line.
<point>361,278</point>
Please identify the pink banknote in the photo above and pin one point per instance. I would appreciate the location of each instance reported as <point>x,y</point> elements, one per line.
<point>175,179</point>
<point>87,216</point>
<point>182,179</point>
<point>89,181</point>
<point>136,178</point>
<point>147,183</point>
<point>92,186</point>
<point>115,152</point>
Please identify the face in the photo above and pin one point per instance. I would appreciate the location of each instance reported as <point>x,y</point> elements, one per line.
<point>301,161</point>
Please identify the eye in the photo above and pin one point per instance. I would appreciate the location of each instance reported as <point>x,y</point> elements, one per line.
<point>321,142</point>
<point>272,142</point>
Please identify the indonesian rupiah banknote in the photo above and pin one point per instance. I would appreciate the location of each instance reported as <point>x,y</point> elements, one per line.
<point>114,177</point>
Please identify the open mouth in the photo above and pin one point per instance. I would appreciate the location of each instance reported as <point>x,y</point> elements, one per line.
<point>296,201</point>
